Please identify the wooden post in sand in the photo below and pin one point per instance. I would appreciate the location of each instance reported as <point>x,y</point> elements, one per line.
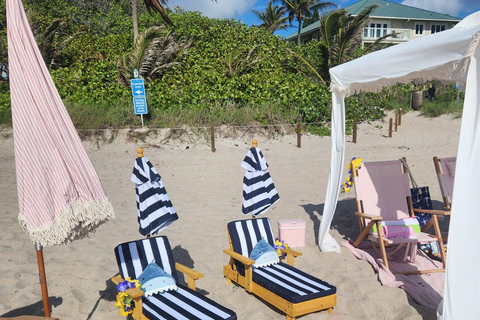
<point>212,137</point>
<point>299,134</point>
<point>400,116</point>
<point>390,125</point>
<point>355,130</point>
<point>396,121</point>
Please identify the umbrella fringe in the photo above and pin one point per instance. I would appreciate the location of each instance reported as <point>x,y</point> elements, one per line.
<point>74,222</point>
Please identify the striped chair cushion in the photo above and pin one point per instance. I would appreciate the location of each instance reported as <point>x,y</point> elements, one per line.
<point>282,279</point>
<point>133,257</point>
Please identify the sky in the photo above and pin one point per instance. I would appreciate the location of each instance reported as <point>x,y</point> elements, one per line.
<point>242,9</point>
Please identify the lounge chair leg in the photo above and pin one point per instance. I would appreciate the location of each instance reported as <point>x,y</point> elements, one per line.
<point>329,310</point>
<point>290,318</point>
<point>229,282</point>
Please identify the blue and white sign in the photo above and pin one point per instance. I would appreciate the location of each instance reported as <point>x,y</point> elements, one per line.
<point>138,92</point>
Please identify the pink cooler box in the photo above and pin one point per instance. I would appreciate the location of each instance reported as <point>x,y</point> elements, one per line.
<point>292,232</point>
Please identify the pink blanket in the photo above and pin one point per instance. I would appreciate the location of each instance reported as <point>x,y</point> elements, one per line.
<point>426,289</point>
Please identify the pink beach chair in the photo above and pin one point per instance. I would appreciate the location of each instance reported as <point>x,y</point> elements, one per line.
<point>445,168</point>
<point>383,198</point>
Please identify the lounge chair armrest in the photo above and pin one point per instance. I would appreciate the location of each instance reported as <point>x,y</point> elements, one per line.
<point>289,251</point>
<point>246,261</point>
<point>191,274</point>
<point>368,216</point>
<point>291,255</point>
<point>133,292</point>
<point>188,271</point>
<point>436,212</point>
<point>117,279</point>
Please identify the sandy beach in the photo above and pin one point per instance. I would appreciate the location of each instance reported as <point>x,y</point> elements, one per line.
<point>206,190</point>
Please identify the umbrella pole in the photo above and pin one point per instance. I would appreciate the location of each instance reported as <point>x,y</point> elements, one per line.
<point>43,279</point>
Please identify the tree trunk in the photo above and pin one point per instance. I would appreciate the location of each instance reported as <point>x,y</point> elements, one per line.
<point>299,19</point>
<point>135,19</point>
<point>298,35</point>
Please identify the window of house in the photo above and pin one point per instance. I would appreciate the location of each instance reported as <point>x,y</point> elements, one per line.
<point>419,27</point>
<point>375,30</point>
<point>434,28</point>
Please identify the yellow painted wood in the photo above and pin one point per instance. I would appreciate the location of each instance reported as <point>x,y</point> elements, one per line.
<point>137,295</point>
<point>291,310</point>
<point>191,274</point>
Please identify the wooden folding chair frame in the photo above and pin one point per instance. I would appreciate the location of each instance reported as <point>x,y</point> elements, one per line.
<point>291,309</point>
<point>137,294</point>
<point>376,220</point>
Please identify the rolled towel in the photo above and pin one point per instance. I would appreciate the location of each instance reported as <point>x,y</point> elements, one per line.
<point>397,231</point>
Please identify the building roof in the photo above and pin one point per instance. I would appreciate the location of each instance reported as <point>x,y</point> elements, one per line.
<point>386,9</point>
<point>397,10</point>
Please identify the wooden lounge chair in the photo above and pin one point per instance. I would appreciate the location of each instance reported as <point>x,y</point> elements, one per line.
<point>383,194</point>
<point>445,169</point>
<point>184,303</point>
<point>287,288</point>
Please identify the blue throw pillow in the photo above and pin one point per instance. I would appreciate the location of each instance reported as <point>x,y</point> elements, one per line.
<point>264,254</point>
<point>154,280</point>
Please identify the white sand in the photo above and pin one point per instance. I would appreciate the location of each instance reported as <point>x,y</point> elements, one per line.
<point>206,190</point>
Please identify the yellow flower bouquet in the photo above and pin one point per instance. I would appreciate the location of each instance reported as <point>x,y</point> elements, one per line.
<point>124,301</point>
<point>357,164</point>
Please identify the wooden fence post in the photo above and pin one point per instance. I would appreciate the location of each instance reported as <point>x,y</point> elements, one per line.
<point>354,130</point>
<point>390,128</point>
<point>299,134</point>
<point>212,137</point>
<point>400,116</point>
<point>396,121</point>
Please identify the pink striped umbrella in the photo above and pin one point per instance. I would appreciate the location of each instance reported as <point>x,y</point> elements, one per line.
<point>61,198</point>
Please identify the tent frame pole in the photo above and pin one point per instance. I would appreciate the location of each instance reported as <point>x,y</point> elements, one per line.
<point>43,279</point>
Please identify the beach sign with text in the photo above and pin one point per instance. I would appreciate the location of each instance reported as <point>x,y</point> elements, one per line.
<point>138,92</point>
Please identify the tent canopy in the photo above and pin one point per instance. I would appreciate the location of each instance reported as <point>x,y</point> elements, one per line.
<point>448,56</point>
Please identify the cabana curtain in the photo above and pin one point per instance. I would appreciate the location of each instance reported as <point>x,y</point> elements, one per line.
<point>448,56</point>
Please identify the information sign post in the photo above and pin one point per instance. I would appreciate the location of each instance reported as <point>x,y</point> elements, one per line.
<point>139,100</point>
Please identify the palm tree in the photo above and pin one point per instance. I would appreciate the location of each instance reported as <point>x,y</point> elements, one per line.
<point>242,62</point>
<point>272,17</point>
<point>342,37</point>
<point>341,41</point>
<point>152,5</point>
<point>154,52</point>
<point>300,10</point>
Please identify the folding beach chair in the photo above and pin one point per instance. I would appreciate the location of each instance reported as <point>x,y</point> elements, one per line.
<point>383,199</point>
<point>445,169</point>
<point>184,303</point>
<point>282,285</point>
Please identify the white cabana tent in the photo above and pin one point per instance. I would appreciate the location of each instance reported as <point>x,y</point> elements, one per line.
<point>449,56</point>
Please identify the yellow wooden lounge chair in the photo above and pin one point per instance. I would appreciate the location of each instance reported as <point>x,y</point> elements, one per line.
<point>282,285</point>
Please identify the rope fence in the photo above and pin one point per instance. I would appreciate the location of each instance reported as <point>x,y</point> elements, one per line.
<point>208,134</point>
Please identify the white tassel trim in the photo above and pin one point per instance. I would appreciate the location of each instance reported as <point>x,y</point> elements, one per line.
<point>74,222</point>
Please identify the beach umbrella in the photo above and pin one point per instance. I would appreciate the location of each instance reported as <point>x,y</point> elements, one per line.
<point>259,192</point>
<point>61,198</point>
<point>154,208</point>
